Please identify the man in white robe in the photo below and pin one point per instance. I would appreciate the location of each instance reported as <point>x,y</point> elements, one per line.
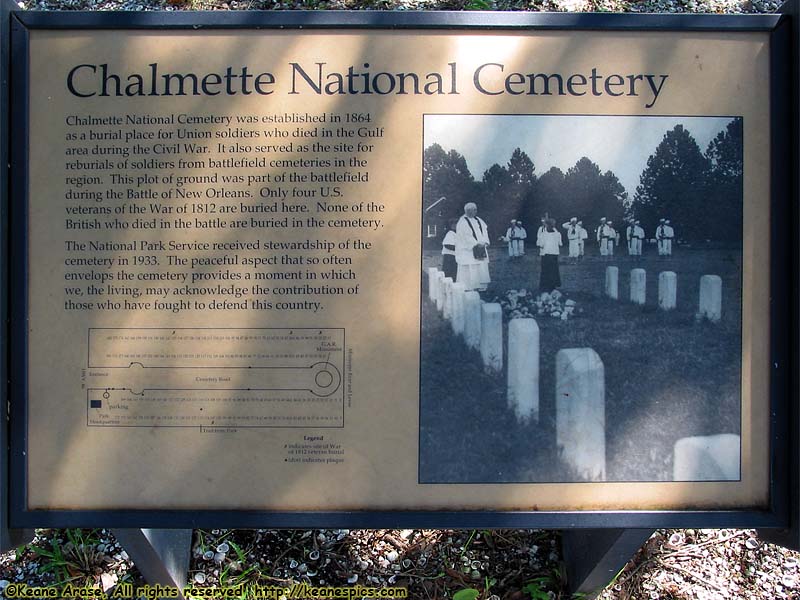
<point>512,237</point>
<point>574,237</point>
<point>664,235</point>
<point>472,257</point>
<point>669,235</point>
<point>523,235</point>
<point>539,232</point>
<point>583,235</point>
<point>601,241</point>
<point>635,237</point>
<point>614,241</point>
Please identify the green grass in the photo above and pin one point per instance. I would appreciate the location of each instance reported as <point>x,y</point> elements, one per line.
<point>71,557</point>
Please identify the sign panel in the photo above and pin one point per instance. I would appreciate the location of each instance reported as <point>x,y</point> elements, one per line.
<point>382,270</point>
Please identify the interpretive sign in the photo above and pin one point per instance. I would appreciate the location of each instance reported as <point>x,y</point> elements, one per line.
<point>323,265</point>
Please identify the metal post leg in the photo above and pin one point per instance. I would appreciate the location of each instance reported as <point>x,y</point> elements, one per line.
<point>161,555</point>
<point>594,556</point>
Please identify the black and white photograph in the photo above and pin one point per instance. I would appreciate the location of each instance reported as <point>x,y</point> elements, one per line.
<point>581,309</point>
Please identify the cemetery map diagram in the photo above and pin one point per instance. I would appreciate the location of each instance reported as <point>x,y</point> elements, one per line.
<point>212,378</point>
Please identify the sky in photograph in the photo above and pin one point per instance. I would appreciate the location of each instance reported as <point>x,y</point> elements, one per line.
<point>618,144</point>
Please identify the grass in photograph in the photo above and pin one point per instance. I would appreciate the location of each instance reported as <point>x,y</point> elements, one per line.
<point>668,375</point>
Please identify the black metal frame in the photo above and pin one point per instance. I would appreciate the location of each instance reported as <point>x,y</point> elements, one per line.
<point>784,339</point>
<point>9,538</point>
<point>790,536</point>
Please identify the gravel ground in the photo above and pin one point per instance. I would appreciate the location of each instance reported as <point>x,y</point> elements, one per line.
<point>647,6</point>
<point>705,564</point>
<point>688,564</point>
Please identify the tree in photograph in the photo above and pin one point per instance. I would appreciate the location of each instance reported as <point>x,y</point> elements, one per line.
<point>445,174</point>
<point>507,189</point>
<point>496,180</point>
<point>674,185</point>
<point>613,198</point>
<point>547,197</point>
<point>522,173</point>
<point>496,195</point>
<point>521,170</point>
<point>725,192</point>
<point>447,185</point>
<point>590,194</point>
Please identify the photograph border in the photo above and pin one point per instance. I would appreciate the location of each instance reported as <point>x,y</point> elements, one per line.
<point>532,246</point>
<point>783,78</point>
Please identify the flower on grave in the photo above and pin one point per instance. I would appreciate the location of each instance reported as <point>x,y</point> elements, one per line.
<point>523,304</point>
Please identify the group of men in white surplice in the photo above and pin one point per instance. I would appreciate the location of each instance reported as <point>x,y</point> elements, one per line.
<point>664,236</point>
<point>576,236</point>
<point>472,242</point>
<point>635,235</point>
<point>515,238</point>
<point>607,237</point>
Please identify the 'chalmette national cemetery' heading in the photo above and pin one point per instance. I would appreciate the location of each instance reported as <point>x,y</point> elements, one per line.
<point>319,78</point>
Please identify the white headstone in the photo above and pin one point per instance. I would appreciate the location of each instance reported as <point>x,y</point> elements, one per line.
<point>439,291</point>
<point>707,458</point>
<point>612,282</point>
<point>492,337</point>
<point>523,369</point>
<point>457,316</point>
<point>638,286</point>
<point>447,308</point>
<point>667,290</point>
<point>472,319</point>
<point>711,297</point>
<point>432,281</point>
<point>580,412</point>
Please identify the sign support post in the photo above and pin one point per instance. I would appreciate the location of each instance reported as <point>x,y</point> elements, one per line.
<point>593,556</point>
<point>161,555</point>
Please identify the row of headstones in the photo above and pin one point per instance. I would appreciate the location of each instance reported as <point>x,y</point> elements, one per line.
<point>580,387</point>
<point>479,323</point>
<point>580,380</point>
<point>710,303</point>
